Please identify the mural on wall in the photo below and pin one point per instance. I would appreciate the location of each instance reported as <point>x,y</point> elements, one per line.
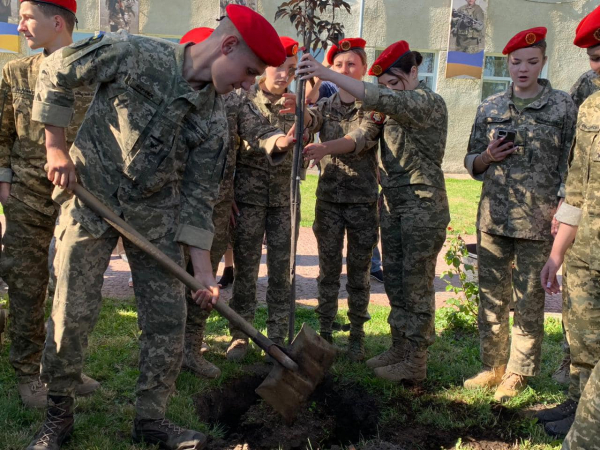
<point>223,4</point>
<point>118,15</point>
<point>467,39</point>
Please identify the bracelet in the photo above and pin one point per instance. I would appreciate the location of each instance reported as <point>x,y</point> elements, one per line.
<point>483,160</point>
<point>490,155</point>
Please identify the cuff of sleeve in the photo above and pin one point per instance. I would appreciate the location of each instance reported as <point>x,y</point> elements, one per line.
<point>5,175</point>
<point>562,191</point>
<point>359,140</point>
<point>274,157</point>
<point>49,114</point>
<point>568,214</point>
<point>194,237</point>
<point>371,96</point>
<point>469,163</point>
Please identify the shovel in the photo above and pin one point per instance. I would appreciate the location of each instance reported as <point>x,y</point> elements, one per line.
<point>294,378</point>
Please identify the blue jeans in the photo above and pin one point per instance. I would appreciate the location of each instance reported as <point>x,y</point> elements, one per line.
<point>376,260</point>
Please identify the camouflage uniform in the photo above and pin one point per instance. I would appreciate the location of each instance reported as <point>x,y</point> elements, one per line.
<point>30,212</point>
<point>346,203</point>
<point>581,312</point>
<point>518,200</point>
<point>152,149</point>
<point>585,433</point>
<point>415,211</point>
<point>262,195</point>
<point>468,38</point>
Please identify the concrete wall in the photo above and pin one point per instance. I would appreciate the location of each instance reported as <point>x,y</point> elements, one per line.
<point>423,23</point>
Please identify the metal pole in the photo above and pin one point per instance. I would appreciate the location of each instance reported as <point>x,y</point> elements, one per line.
<point>361,18</point>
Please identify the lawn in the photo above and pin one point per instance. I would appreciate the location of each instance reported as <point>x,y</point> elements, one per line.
<point>439,414</point>
<point>463,196</point>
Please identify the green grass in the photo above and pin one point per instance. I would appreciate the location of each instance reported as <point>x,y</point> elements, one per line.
<point>103,420</point>
<point>463,196</point>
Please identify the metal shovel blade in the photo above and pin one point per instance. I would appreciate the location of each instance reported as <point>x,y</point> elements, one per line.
<point>287,391</point>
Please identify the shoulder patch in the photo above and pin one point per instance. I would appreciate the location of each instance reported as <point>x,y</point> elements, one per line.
<point>377,117</point>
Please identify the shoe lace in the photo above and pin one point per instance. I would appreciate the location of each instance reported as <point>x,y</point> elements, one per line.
<point>51,425</point>
<point>168,425</point>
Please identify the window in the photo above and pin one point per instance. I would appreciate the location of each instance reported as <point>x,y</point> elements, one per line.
<point>496,77</point>
<point>427,70</point>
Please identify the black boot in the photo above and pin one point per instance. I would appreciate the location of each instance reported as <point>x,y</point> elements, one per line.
<point>167,435</point>
<point>559,412</point>
<point>560,428</point>
<point>58,425</point>
<point>227,277</point>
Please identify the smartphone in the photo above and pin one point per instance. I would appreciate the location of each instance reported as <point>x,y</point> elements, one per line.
<point>508,135</point>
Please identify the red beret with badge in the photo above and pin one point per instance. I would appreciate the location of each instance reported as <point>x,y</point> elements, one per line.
<point>389,57</point>
<point>69,5</point>
<point>525,39</point>
<point>196,35</point>
<point>290,45</point>
<point>258,34</point>
<point>588,30</point>
<point>343,46</point>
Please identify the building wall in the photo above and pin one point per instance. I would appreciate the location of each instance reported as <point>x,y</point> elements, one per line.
<point>423,23</point>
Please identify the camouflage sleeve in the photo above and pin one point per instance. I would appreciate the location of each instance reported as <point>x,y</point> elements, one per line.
<point>85,63</point>
<point>316,114</point>
<point>568,134</point>
<point>576,91</point>
<point>366,135</point>
<point>478,143</point>
<point>8,131</point>
<point>479,16</point>
<point>411,109</point>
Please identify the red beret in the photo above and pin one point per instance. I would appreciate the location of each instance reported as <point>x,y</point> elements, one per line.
<point>343,46</point>
<point>525,39</point>
<point>290,45</point>
<point>69,5</point>
<point>258,34</point>
<point>389,57</point>
<point>196,35</point>
<point>588,30</point>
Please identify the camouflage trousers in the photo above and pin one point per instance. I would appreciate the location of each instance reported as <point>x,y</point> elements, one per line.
<point>81,261</point>
<point>498,282</point>
<point>361,224</point>
<point>585,431</point>
<point>581,316</point>
<point>24,268</point>
<point>413,231</point>
<point>251,225</point>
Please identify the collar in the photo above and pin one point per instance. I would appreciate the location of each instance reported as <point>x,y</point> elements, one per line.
<point>540,102</point>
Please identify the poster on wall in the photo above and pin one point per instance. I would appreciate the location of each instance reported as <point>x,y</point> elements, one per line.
<point>223,4</point>
<point>467,39</point>
<point>9,38</point>
<point>9,11</point>
<point>118,15</point>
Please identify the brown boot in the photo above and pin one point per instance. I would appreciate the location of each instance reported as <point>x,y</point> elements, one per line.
<point>412,368</point>
<point>192,356</point>
<point>356,345</point>
<point>58,425</point>
<point>563,373</point>
<point>34,394</point>
<point>512,385</point>
<point>395,354</point>
<point>88,386</point>
<point>238,349</point>
<point>489,377</point>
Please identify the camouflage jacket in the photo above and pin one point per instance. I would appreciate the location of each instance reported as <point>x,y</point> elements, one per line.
<point>150,147</point>
<point>349,178</point>
<point>22,142</point>
<point>582,203</point>
<point>520,193</point>
<point>586,85</point>
<point>259,180</point>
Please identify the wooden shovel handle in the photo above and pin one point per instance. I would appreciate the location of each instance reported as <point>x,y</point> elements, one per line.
<point>178,272</point>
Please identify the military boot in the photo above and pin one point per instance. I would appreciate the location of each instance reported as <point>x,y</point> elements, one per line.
<point>356,345</point>
<point>563,373</point>
<point>412,368</point>
<point>512,385</point>
<point>238,348</point>
<point>560,428</point>
<point>33,393</point>
<point>87,386</point>
<point>193,359</point>
<point>489,377</point>
<point>327,336</point>
<point>393,355</point>
<point>559,412</point>
<point>58,425</point>
<point>167,435</point>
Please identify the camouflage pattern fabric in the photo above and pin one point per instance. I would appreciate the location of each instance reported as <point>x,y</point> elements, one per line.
<point>498,281</point>
<point>360,222</point>
<point>413,231</point>
<point>159,169</point>
<point>585,433</point>
<point>30,212</point>
<point>586,85</point>
<point>520,194</point>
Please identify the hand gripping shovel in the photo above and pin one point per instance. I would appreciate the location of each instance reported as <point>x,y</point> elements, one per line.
<point>291,382</point>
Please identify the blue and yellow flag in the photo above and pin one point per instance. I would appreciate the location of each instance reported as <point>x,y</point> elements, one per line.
<point>9,38</point>
<point>464,64</point>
